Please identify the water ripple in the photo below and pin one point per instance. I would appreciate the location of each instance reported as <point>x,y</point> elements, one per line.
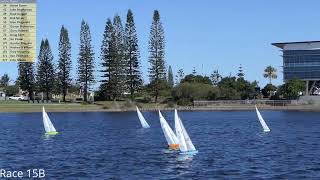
<point>113,146</point>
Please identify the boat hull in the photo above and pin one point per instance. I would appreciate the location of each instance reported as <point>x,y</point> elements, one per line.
<point>189,153</point>
<point>173,146</point>
<point>52,133</point>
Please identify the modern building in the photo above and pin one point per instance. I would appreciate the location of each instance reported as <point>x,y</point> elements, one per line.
<point>302,60</point>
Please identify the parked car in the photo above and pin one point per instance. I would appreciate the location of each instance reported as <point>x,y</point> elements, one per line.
<point>18,98</point>
<point>316,91</point>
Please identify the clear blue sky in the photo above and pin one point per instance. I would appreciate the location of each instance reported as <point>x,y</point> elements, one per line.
<point>205,34</point>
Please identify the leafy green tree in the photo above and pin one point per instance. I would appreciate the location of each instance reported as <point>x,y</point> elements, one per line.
<point>233,88</point>
<point>245,88</point>
<point>120,62</point>
<point>215,77</point>
<point>292,88</point>
<point>170,77</point>
<point>108,57</point>
<point>113,57</point>
<point>11,90</point>
<point>74,88</point>
<point>191,78</point>
<point>56,86</point>
<point>157,70</point>
<point>240,72</point>
<point>26,78</point>
<point>194,72</point>
<point>4,81</point>
<point>268,89</point>
<point>179,76</point>
<point>64,63</point>
<point>132,55</point>
<point>85,60</point>
<point>186,93</point>
<point>45,69</point>
<point>270,73</point>
<point>228,88</point>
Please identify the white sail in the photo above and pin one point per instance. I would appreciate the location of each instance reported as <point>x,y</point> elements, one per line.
<point>189,143</point>
<point>184,139</point>
<point>167,131</point>
<point>142,119</point>
<point>48,126</point>
<point>262,122</point>
<point>180,136</point>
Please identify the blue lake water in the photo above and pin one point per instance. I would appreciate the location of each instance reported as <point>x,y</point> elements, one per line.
<point>104,145</point>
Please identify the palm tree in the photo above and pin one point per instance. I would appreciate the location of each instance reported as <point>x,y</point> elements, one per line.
<point>271,73</point>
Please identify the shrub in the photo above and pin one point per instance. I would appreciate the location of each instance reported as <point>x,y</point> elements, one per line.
<point>84,103</point>
<point>128,104</point>
<point>269,90</point>
<point>185,93</point>
<point>184,102</point>
<point>171,104</point>
<point>144,99</point>
<point>292,88</point>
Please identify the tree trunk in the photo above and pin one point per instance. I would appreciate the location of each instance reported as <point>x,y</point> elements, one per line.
<point>30,96</point>
<point>131,91</point>
<point>131,78</point>
<point>270,80</point>
<point>156,97</point>
<point>47,94</point>
<point>85,93</point>
<point>64,95</point>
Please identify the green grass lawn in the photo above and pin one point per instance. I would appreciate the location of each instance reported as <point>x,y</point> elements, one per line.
<point>24,106</point>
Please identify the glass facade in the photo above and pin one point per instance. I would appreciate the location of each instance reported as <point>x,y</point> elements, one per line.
<point>302,64</point>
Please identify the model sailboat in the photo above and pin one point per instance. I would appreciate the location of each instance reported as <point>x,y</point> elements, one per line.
<point>185,143</point>
<point>48,126</point>
<point>171,138</point>
<point>142,119</point>
<point>262,122</point>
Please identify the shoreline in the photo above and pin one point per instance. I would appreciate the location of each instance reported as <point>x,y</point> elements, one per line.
<point>31,108</point>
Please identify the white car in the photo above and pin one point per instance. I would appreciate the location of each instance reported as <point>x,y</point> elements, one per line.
<point>18,98</point>
<point>316,91</point>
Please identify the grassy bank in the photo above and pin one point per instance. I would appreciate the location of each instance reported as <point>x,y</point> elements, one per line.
<point>110,106</point>
<point>19,106</point>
